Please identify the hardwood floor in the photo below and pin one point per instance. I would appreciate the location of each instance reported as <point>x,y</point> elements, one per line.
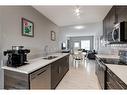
<point>81,76</point>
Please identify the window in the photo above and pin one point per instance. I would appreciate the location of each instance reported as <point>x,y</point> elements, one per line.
<point>85,44</point>
<point>76,45</point>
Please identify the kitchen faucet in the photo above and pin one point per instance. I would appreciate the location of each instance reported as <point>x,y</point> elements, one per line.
<point>46,50</point>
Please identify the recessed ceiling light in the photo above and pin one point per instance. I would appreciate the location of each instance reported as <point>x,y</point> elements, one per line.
<point>77,11</point>
<point>79,27</point>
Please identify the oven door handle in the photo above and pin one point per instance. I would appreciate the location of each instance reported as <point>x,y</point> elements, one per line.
<point>101,64</point>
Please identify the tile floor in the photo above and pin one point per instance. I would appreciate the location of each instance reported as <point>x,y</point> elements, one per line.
<point>81,77</point>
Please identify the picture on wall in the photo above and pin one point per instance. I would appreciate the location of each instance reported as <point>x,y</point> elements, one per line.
<point>53,36</point>
<point>27,28</point>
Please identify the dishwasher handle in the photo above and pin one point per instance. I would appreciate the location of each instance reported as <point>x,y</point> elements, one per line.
<point>41,72</point>
<point>38,74</point>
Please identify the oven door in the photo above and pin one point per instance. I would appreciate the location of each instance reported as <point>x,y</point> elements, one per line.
<point>116,34</point>
<point>100,72</point>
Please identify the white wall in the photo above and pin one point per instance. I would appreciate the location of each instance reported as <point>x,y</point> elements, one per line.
<point>11,27</point>
<point>10,22</point>
<point>92,29</point>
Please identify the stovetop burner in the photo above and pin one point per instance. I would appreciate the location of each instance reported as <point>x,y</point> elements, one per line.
<point>113,61</point>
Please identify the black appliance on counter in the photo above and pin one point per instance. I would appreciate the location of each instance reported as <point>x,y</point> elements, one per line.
<point>17,56</point>
<point>119,33</point>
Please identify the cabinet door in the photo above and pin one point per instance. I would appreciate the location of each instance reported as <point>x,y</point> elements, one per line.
<point>58,70</point>
<point>64,64</point>
<point>112,19</point>
<point>105,28</point>
<point>111,22</point>
<point>108,23</point>
<point>113,81</point>
<point>122,13</point>
<point>54,74</point>
<point>96,67</point>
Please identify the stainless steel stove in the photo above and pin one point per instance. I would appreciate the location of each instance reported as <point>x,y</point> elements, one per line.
<point>121,61</point>
<point>113,61</point>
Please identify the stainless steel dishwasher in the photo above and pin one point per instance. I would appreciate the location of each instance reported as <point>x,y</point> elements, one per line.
<point>40,79</point>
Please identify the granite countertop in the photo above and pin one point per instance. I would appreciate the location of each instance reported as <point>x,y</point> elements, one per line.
<point>107,56</point>
<point>119,70</point>
<point>35,64</point>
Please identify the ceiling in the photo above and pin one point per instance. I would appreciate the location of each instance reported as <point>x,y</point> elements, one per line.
<point>64,15</point>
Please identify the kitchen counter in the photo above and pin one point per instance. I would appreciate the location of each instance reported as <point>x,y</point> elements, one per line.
<point>107,56</point>
<point>119,70</point>
<point>35,64</point>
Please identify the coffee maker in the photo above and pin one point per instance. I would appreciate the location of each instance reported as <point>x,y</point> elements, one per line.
<point>17,56</point>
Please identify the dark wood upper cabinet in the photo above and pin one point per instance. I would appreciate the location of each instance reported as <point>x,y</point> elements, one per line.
<point>112,19</point>
<point>121,12</point>
<point>105,27</point>
<point>115,15</point>
<point>108,23</point>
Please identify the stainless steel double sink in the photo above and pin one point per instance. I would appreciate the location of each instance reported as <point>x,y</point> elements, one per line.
<point>50,57</point>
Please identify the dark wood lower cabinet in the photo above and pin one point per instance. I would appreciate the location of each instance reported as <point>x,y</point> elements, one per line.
<point>38,79</point>
<point>58,69</point>
<point>114,82</point>
<point>54,74</point>
<point>15,80</point>
<point>47,77</point>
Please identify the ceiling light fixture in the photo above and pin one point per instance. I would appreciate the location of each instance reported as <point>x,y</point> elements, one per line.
<point>77,11</point>
<point>79,27</point>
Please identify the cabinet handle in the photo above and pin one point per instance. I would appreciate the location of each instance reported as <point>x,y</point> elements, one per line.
<point>59,69</point>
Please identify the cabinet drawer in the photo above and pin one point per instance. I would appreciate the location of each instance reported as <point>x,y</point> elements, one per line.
<point>113,82</point>
<point>12,83</point>
<point>15,80</point>
<point>16,75</point>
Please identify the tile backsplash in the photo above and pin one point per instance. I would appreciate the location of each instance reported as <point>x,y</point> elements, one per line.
<point>112,49</point>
